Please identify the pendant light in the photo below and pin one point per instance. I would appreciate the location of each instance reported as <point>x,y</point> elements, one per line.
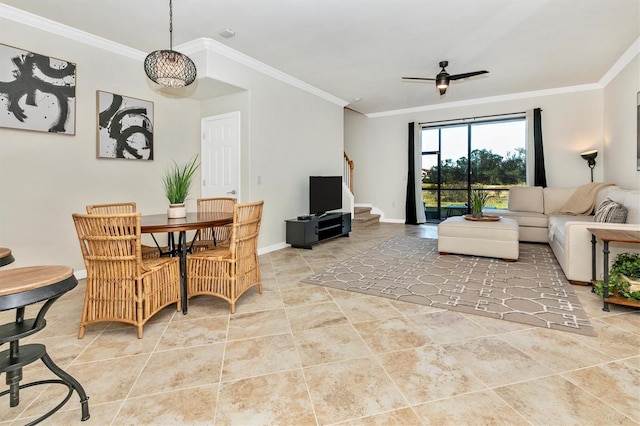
<point>167,67</point>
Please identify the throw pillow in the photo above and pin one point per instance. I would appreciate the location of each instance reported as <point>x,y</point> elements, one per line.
<point>610,211</point>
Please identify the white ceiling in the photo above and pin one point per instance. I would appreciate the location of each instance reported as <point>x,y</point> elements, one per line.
<point>361,48</point>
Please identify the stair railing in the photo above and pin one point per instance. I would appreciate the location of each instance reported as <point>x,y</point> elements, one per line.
<point>347,175</point>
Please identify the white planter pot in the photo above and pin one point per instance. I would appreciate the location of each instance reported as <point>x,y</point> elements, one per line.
<point>176,211</point>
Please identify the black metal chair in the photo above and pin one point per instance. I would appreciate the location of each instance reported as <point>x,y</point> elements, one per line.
<point>19,288</point>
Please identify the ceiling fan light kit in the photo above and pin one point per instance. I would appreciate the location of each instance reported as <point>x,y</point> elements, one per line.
<point>443,78</point>
<point>169,68</point>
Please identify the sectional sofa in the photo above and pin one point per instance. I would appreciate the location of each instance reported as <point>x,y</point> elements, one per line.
<point>536,211</point>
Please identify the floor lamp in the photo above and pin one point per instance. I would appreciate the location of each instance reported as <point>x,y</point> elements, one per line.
<point>590,156</point>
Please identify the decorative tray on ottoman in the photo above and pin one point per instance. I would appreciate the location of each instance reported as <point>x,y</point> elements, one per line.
<point>484,218</point>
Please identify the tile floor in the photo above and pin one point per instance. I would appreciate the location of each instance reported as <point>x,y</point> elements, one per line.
<point>301,354</point>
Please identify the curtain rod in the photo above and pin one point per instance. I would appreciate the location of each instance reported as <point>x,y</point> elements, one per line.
<point>473,118</point>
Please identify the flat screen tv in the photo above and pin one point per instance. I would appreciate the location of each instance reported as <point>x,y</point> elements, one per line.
<point>325,194</point>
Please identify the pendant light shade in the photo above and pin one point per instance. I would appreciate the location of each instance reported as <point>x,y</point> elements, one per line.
<point>170,68</point>
<point>167,67</point>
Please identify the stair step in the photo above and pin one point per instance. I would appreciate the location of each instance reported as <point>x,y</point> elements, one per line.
<point>361,210</point>
<point>365,219</point>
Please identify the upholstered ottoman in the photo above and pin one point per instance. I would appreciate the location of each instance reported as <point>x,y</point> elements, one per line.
<point>479,238</point>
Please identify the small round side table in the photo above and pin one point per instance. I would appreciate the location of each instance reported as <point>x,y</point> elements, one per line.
<point>19,288</point>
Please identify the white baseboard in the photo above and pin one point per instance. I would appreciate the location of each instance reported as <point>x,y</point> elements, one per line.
<point>274,247</point>
<point>392,220</point>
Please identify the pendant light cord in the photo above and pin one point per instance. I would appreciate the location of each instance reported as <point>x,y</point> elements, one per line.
<point>170,25</point>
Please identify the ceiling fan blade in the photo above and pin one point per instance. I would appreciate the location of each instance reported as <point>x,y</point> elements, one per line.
<point>419,78</point>
<point>466,75</point>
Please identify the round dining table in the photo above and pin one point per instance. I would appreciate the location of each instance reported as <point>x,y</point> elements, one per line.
<point>155,223</point>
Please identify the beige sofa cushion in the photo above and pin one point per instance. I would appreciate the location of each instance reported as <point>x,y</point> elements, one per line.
<point>557,226</point>
<point>554,198</point>
<point>531,219</point>
<point>630,200</point>
<point>526,199</point>
<point>603,193</point>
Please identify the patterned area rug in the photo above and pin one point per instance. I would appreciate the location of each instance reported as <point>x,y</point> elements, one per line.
<point>532,290</point>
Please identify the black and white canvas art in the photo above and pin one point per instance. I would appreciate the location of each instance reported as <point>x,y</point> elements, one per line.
<point>125,127</point>
<point>37,92</point>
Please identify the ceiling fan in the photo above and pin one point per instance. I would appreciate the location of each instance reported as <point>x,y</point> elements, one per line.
<point>443,78</point>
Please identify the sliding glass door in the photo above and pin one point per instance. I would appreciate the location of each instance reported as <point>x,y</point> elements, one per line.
<point>457,158</point>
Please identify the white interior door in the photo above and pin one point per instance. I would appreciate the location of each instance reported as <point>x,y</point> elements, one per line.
<point>220,156</point>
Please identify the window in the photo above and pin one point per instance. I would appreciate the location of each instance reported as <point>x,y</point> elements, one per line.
<point>459,157</point>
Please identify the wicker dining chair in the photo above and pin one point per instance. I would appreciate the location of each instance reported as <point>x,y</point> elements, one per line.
<point>148,252</point>
<point>209,238</point>
<point>228,272</point>
<point>121,285</point>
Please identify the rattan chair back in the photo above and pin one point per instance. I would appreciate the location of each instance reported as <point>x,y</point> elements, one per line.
<point>205,239</point>
<point>120,285</point>
<point>229,272</point>
<point>114,208</point>
<point>148,252</point>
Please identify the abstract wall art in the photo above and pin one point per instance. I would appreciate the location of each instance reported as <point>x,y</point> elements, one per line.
<point>125,127</point>
<point>37,92</point>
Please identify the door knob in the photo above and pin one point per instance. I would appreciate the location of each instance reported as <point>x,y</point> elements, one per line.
<point>232,192</point>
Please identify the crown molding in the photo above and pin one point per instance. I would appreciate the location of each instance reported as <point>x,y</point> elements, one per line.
<point>53,27</point>
<point>488,100</point>
<point>618,66</point>
<point>210,45</point>
<point>195,46</point>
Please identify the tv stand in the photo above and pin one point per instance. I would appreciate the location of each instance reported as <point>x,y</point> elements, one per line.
<point>303,233</point>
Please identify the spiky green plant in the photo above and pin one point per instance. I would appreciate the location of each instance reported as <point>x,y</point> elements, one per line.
<point>178,179</point>
<point>479,198</point>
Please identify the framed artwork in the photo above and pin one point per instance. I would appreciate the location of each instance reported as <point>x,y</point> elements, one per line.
<point>37,92</point>
<point>125,127</point>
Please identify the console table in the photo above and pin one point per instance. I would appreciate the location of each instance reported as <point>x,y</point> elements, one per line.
<point>303,233</point>
<point>607,236</point>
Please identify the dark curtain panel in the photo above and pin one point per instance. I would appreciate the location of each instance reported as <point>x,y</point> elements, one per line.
<point>540,176</point>
<point>410,206</point>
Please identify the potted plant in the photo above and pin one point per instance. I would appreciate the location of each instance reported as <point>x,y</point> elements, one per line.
<point>479,198</point>
<point>623,277</point>
<point>177,183</point>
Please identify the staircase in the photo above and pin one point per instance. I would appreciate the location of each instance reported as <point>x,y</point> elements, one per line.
<point>363,217</point>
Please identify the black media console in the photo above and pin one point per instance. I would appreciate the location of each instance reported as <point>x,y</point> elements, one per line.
<point>303,233</point>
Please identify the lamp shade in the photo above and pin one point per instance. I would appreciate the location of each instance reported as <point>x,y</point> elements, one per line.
<point>170,68</point>
<point>589,155</point>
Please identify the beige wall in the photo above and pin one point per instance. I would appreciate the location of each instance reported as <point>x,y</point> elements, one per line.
<point>602,119</point>
<point>620,131</point>
<point>572,123</point>
<point>287,134</point>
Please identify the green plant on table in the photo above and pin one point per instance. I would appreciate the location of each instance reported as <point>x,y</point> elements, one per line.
<point>479,198</point>
<point>178,179</point>
<point>624,269</point>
